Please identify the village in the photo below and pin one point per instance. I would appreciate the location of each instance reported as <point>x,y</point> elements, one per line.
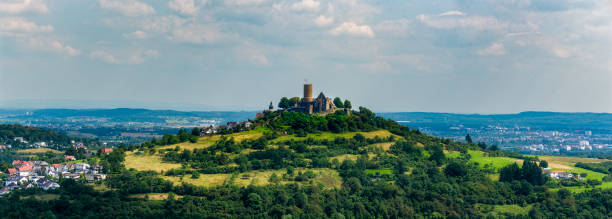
<point>41,174</point>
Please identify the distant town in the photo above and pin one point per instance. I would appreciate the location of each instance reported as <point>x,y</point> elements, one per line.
<point>530,133</point>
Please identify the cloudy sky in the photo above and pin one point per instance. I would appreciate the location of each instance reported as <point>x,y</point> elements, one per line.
<point>470,56</point>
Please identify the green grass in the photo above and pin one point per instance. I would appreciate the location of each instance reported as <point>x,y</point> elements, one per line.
<point>332,136</point>
<point>478,157</point>
<point>38,151</point>
<point>154,196</point>
<point>42,197</point>
<point>207,141</point>
<point>327,177</point>
<point>579,189</point>
<point>499,210</point>
<point>379,171</point>
<point>145,161</point>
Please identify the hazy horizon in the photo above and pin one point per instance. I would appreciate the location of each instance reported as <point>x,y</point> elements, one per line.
<point>476,56</point>
<point>187,107</point>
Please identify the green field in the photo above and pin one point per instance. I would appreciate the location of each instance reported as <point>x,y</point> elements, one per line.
<point>332,136</point>
<point>480,158</point>
<point>499,210</point>
<point>207,141</point>
<point>38,151</point>
<point>578,189</point>
<point>142,162</point>
<point>327,177</point>
<point>379,172</point>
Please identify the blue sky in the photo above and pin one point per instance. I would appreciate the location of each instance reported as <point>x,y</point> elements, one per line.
<point>489,56</point>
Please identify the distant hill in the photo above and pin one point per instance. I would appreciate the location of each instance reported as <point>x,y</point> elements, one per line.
<point>8,133</point>
<point>135,115</point>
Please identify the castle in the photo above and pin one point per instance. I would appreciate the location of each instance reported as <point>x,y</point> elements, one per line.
<point>309,105</point>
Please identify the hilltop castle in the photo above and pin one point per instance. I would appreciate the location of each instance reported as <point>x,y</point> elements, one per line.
<point>309,105</point>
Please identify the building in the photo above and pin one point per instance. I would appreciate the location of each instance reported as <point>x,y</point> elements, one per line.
<point>106,150</point>
<point>310,105</point>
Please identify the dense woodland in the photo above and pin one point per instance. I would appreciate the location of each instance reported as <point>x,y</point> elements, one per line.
<point>422,181</point>
<point>33,134</point>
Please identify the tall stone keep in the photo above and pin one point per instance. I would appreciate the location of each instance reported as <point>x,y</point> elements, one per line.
<point>308,93</point>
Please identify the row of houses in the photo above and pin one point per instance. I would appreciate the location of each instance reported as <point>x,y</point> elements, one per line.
<point>211,130</point>
<point>27,174</point>
<point>563,175</point>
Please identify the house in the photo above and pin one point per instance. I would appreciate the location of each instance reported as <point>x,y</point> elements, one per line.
<point>106,150</point>
<point>12,172</point>
<point>559,174</point>
<point>71,175</point>
<point>69,157</point>
<point>12,185</point>
<point>4,191</point>
<point>49,185</point>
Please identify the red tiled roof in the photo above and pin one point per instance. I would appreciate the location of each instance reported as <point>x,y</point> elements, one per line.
<point>25,168</point>
<point>12,171</point>
<point>106,150</point>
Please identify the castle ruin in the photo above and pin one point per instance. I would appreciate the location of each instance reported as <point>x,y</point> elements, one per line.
<point>311,105</point>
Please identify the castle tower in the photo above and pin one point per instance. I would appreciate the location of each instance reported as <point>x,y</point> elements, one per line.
<point>308,93</point>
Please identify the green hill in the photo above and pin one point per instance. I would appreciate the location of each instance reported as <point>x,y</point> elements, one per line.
<point>357,165</point>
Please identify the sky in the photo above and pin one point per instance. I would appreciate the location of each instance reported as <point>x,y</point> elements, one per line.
<point>463,56</point>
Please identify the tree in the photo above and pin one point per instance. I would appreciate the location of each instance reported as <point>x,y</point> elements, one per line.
<point>510,173</point>
<point>438,155</point>
<point>254,201</point>
<point>468,139</point>
<point>338,102</point>
<point>455,169</point>
<point>482,145</point>
<point>195,131</point>
<point>532,172</point>
<point>544,164</point>
<point>195,175</point>
<point>283,103</point>
<point>293,101</point>
<point>347,104</point>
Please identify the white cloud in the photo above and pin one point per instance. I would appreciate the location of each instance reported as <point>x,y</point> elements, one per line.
<point>20,6</point>
<point>398,28</point>
<point>19,24</point>
<point>305,5</point>
<point>474,22</point>
<point>451,13</point>
<point>185,7</point>
<point>560,52</point>
<point>137,57</point>
<point>50,45</point>
<point>244,2</point>
<point>130,8</point>
<point>378,66</point>
<point>495,49</point>
<point>136,35</point>
<point>162,24</point>
<point>352,29</point>
<point>197,34</point>
<point>104,56</point>
<point>323,21</point>
<point>259,59</point>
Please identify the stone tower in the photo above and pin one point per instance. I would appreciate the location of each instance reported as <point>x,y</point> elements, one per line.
<point>308,93</point>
